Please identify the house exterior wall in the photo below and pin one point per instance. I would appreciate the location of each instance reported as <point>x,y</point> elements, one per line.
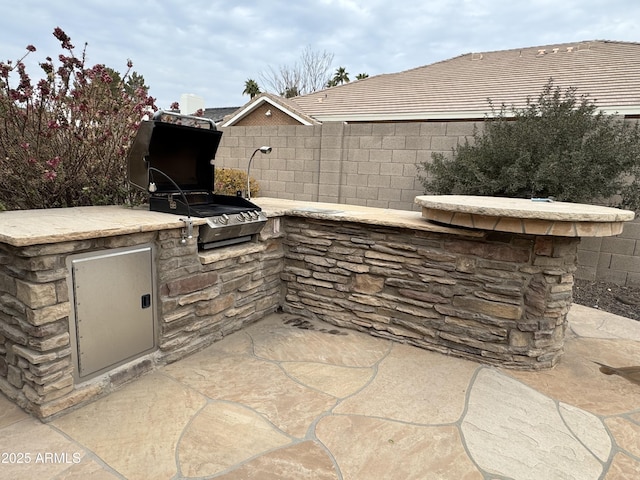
<point>375,164</point>
<point>259,116</point>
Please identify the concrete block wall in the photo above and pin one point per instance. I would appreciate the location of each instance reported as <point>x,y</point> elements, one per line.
<point>612,259</point>
<point>373,164</point>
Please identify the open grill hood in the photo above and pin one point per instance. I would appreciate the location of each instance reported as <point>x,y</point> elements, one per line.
<point>172,158</point>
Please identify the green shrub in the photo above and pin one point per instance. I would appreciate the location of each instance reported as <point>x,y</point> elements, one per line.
<point>556,147</point>
<point>228,181</point>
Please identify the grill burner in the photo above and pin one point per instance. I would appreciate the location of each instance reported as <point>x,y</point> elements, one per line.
<point>172,158</point>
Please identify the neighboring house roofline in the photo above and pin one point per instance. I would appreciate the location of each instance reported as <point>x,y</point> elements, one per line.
<point>453,115</point>
<point>465,86</point>
<point>275,102</point>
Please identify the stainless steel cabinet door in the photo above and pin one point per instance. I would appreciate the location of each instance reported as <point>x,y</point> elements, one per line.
<point>114,314</point>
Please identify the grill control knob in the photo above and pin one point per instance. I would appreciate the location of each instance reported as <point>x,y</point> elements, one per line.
<point>240,217</point>
<point>224,219</point>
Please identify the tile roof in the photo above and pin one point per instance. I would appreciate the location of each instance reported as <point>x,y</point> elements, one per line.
<point>608,71</point>
<point>218,113</point>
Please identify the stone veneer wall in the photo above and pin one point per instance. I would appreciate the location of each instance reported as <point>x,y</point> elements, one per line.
<point>205,296</point>
<point>503,298</point>
<point>202,297</point>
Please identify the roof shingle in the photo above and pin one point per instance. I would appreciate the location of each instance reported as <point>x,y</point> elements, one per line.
<point>607,71</point>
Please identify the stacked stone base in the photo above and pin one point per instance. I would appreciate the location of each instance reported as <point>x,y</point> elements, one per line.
<point>502,299</point>
<point>201,297</point>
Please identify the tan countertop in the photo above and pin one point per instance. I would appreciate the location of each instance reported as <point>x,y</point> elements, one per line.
<point>274,207</point>
<point>523,208</point>
<point>33,227</point>
<point>518,215</point>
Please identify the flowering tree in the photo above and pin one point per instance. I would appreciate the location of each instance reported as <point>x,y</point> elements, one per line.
<point>63,141</point>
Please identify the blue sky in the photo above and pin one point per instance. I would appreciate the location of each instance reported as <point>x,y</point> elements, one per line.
<point>211,47</point>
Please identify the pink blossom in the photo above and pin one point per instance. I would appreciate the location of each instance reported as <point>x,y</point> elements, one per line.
<point>25,145</point>
<point>31,48</point>
<point>175,106</point>
<point>54,162</point>
<point>48,175</point>
<point>63,37</point>
<point>47,68</point>
<point>44,87</point>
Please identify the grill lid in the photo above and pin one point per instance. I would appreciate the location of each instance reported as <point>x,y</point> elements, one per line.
<point>182,147</point>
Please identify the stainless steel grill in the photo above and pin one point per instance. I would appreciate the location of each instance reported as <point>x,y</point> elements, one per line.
<point>172,158</point>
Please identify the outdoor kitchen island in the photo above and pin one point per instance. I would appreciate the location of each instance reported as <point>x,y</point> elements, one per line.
<point>498,297</point>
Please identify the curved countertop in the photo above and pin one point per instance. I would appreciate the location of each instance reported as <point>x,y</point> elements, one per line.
<point>524,208</point>
<point>519,215</point>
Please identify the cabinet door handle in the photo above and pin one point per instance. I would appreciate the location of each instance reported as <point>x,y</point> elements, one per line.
<point>146,300</point>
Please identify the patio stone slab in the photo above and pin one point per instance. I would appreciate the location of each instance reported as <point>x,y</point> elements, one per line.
<point>626,434</point>
<point>623,467</point>
<point>334,380</point>
<point>588,429</point>
<point>88,469</point>
<point>256,383</point>
<point>577,380</point>
<point>512,430</point>
<point>367,448</point>
<point>35,439</point>
<point>593,323</point>
<point>407,413</point>
<point>302,461</point>
<point>237,343</point>
<point>222,435</point>
<point>10,412</point>
<point>315,342</point>
<point>433,393</point>
<point>135,430</point>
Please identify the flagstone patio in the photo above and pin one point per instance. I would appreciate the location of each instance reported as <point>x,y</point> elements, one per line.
<point>288,398</point>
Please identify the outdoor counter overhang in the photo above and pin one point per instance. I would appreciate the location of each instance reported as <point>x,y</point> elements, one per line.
<point>516,215</point>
